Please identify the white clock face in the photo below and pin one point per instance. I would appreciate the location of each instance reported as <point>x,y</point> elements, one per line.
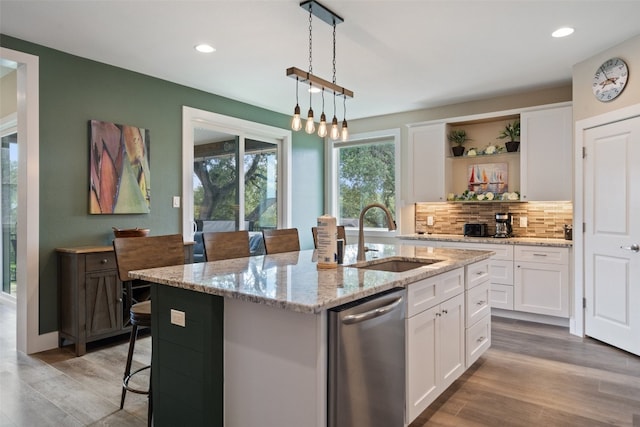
<point>610,79</point>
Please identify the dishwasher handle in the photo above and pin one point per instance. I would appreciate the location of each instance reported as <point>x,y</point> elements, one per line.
<point>372,314</point>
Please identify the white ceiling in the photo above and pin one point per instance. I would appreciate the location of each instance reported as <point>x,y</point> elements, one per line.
<point>396,55</point>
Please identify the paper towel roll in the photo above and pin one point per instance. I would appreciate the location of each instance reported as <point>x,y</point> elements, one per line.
<point>327,242</point>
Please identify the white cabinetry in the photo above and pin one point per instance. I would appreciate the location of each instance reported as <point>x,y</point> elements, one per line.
<point>478,311</point>
<point>542,170</point>
<point>435,338</point>
<point>542,280</point>
<point>546,151</point>
<point>501,271</point>
<point>426,154</point>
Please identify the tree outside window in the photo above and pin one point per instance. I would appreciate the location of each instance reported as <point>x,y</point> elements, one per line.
<point>366,172</point>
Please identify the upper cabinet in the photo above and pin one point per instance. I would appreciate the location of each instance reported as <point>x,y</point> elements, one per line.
<point>546,167</point>
<point>540,170</point>
<point>426,155</point>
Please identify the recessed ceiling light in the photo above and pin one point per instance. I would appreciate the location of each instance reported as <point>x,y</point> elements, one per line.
<point>204,48</point>
<point>562,32</point>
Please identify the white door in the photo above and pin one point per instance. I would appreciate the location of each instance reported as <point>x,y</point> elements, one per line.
<point>612,235</point>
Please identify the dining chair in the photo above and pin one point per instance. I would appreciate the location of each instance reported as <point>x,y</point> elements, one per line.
<point>281,240</point>
<point>220,245</point>
<point>138,253</point>
<point>341,235</point>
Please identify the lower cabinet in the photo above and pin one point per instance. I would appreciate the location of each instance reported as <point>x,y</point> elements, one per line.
<point>541,280</point>
<point>435,353</point>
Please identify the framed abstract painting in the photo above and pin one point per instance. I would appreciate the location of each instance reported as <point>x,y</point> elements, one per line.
<point>120,180</point>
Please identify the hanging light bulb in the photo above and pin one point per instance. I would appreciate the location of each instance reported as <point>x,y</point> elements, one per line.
<point>344,135</point>
<point>322,128</point>
<point>296,122</point>
<point>334,133</point>
<point>310,127</point>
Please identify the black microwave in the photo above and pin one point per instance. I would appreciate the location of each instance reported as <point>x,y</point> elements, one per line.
<point>475,230</point>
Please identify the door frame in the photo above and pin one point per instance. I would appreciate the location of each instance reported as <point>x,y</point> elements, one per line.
<point>577,323</point>
<point>28,338</point>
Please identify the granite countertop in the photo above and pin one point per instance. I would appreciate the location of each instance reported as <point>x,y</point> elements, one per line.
<point>532,241</point>
<point>292,281</point>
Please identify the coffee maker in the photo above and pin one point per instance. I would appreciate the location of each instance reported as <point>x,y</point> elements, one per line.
<point>503,225</point>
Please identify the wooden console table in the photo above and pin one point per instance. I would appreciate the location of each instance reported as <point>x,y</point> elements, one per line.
<point>91,303</point>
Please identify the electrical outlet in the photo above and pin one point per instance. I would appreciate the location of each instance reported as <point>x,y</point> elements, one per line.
<point>523,221</point>
<point>176,201</point>
<point>429,220</point>
<point>177,317</point>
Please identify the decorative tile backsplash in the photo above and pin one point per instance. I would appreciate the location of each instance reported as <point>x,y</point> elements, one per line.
<point>545,219</point>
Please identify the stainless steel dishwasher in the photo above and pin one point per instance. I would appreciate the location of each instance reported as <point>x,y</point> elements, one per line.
<point>366,362</point>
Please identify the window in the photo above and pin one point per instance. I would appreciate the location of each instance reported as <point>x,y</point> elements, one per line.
<point>218,187</point>
<point>365,170</point>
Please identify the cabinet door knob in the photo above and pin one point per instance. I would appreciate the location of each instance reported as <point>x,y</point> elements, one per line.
<point>481,302</point>
<point>104,261</point>
<point>445,311</point>
<point>480,339</point>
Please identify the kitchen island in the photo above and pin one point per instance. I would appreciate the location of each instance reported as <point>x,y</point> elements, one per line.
<point>244,342</point>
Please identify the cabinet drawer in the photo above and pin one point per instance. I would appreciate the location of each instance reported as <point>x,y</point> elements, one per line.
<point>477,273</point>
<point>501,296</point>
<point>428,292</point>
<point>477,303</point>
<point>501,272</point>
<point>478,339</point>
<point>100,261</point>
<point>542,254</point>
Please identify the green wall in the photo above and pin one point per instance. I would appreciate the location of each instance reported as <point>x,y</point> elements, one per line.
<point>74,90</point>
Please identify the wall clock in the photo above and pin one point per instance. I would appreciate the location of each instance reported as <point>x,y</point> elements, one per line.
<point>610,79</point>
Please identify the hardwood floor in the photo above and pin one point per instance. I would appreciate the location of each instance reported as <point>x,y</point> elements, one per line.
<point>533,375</point>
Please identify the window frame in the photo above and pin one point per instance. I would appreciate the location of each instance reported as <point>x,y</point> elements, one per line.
<point>331,174</point>
<point>192,118</point>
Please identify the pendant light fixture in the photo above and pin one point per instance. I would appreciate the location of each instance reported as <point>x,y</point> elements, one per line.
<point>315,8</point>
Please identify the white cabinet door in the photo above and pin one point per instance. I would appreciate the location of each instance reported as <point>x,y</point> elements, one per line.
<point>421,357</point>
<point>426,163</point>
<point>450,340</point>
<point>546,154</point>
<point>542,288</point>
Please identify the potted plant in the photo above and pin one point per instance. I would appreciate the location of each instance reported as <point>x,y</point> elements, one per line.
<point>458,137</point>
<point>511,131</point>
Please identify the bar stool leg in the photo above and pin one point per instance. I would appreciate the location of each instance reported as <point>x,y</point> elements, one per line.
<point>127,370</point>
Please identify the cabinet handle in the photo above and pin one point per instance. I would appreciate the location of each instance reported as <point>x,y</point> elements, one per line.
<point>445,311</point>
<point>480,339</point>
<point>539,254</point>
<point>119,299</point>
<point>438,314</point>
<point>481,302</point>
<point>479,273</point>
<point>104,261</point>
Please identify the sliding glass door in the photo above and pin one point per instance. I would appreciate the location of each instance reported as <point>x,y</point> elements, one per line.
<point>234,178</point>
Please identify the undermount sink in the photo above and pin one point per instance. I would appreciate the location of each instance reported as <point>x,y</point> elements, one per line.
<point>396,265</point>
